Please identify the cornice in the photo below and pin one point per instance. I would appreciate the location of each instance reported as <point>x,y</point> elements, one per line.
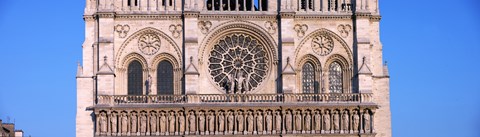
<point>149,16</point>
<point>345,16</point>
<point>236,15</point>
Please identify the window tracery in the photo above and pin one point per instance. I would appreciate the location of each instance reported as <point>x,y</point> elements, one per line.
<point>322,44</point>
<point>308,78</point>
<point>135,78</point>
<point>149,43</point>
<point>335,78</point>
<point>165,78</point>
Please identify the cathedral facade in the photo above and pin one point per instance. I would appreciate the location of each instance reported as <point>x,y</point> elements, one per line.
<point>232,68</point>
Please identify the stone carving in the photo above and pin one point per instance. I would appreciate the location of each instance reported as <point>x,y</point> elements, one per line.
<point>355,122</point>
<point>271,26</point>
<point>201,122</point>
<point>122,30</point>
<point>153,123</point>
<point>316,120</point>
<point>176,30</point>
<point>300,29</point>
<point>191,121</point>
<point>163,123</point>
<point>268,121</point>
<point>344,29</point>
<point>322,44</point>
<point>124,122</point>
<point>288,121</point>
<point>308,121</point>
<point>149,43</point>
<point>239,60</point>
<point>148,85</point>
<point>298,121</point>
<point>345,121</point>
<point>250,123</point>
<point>133,124</point>
<point>336,121</point>
<point>221,122</point>
<point>259,122</point>
<point>103,123</point>
<point>240,122</point>
<point>171,122</point>
<point>230,122</point>
<point>143,123</point>
<point>113,122</point>
<point>211,122</point>
<point>181,122</point>
<point>204,26</point>
<point>366,122</point>
<point>326,121</point>
<point>278,121</point>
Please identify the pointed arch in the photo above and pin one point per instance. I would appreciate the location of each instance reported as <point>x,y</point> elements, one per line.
<point>339,74</point>
<point>310,74</point>
<point>167,74</point>
<point>135,78</point>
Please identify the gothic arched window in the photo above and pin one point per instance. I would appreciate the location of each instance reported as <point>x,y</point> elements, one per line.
<point>135,78</point>
<point>308,78</point>
<point>335,78</point>
<point>165,78</point>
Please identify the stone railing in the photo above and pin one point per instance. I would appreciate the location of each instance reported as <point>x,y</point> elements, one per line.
<point>133,6</point>
<point>324,6</point>
<point>229,98</point>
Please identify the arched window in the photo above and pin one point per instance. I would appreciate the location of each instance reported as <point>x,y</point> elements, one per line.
<point>335,78</point>
<point>308,78</point>
<point>165,78</point>
<point>305,4</point>
<point>135,78</point>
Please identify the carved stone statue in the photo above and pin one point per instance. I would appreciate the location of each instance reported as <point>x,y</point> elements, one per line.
<point>288,121</point>
<point>230,120</point>
<point>326,121</point>
<point>211,122</point>
<point>250,124</point>
<point>278,121</point>
<point>231,85</point>
<point>316,120</point>
<point>148,84</point>
<point>308,121</point>
<point>124,122</point>
<point>103,123</point>
<point>153,123</point>
<point>298,121</point>
<point>191,121</point>
<point>240,122</point>
<point>171,122</point>
<point>221,122</point>
<point>345,121</point>
<point>268,121</point>
<point>143,123</point>
<point>336,121</point>
<point>113,122</point>
<point>201,122</point>
<point>240,81</point>
<point>133,123</point>
<point>355,122</point>
<point>181,122</point>
<point>259,122</point>
<point>366,121</point>
<point>163,123</point>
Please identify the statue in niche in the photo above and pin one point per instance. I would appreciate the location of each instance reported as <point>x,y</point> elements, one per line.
<point>211,122</point>
<point>103,123</point>
<point>230,121</point>
<point>250,124</point>
<point>171,122</point>
<point>298,121</point>
<point>308,120</point>
<point>240,122</point>
<point>191,121</point>
<point>143,123</point>
<point>366,121</point>
<point>133,123</point>
<point>153,123</point>
<point>113,122</point>
<point>278,121</point>
<point>124,122</point>
<point>345,121</point>
<point>221,122</point>
<point>326,121</point>
<point>268,121</point>
<point>240,82</point>
<point>181,122</point>
<point>288,121</point>
<point>316,120</point>
<point>201,122</point>
<point>355,122</point>
<point>336,121</point>
<point>259,122</point>
<point>163,122</point>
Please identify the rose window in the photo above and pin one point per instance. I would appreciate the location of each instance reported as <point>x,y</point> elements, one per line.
<point>238,62</point>
<point>322,45</point>
<point>149,43</point>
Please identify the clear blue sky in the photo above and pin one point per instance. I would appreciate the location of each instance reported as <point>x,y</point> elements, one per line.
<point>432,46</point>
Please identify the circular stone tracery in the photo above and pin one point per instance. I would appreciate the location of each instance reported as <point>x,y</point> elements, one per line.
<point>322,44</point>
<point>238,55</point>
<point>149,43</point>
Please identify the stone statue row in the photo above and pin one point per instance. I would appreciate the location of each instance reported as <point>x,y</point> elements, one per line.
<point>234,122</point>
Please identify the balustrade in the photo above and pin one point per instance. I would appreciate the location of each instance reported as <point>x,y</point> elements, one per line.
<point>324,5</point>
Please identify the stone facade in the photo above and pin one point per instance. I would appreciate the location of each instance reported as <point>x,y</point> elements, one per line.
<point>232,67</point>
<point>8,130</point>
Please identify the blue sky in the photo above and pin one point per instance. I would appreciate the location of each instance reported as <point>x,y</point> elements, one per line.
<point>432,48</point>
